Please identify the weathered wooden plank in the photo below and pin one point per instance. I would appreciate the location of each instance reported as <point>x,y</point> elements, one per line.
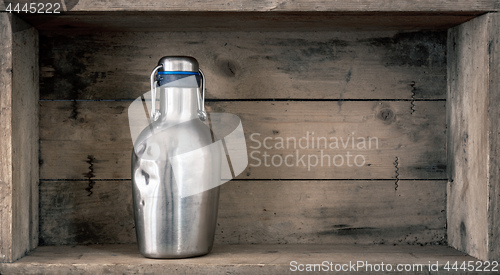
<point>253,259</point>
<point>473,140</point>
<point>25,134</point>
<point>276,5</point>
<point>18,138</point>
<point>268,212</point>
<point>467,138</point>
<point>68,215</point>
<point>247,21</point>
<point>494,157</point>
<point>6,140</point>
<point>250,65</point>
<point>332,212</point>
<point>77,134</point>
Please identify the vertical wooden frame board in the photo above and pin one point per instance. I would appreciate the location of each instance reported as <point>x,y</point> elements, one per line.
<point>494,132</point>
<point>467,137</point>
<point>473,137</point>
<point>18,138</point>
<point>25,133</point>
<point>5,139</point>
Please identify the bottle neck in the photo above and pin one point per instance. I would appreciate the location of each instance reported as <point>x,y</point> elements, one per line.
<point>178,104</point>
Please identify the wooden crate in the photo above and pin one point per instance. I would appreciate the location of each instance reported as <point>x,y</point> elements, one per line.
<point>420,77</point>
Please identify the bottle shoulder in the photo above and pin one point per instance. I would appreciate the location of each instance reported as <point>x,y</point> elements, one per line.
<point>179,137</point>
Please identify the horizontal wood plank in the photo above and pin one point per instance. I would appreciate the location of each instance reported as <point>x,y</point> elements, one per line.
<point>250,65</point>
<point>69,215</point>
<point>76,135</point>
<point>267,212</point>
<point>155,21</point>
<point>276,5</point>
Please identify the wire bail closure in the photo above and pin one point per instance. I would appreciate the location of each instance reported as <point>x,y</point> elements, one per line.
<point>155,114</point>
<point>202,114</point>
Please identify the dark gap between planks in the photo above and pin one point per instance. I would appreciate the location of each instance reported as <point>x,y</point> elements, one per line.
<point>257,99</point>
<point>262,179</point>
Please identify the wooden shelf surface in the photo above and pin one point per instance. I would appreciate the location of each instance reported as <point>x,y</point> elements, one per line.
<point>229,259</point>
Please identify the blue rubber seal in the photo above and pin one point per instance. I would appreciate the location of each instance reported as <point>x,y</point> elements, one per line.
<point>178,72</point>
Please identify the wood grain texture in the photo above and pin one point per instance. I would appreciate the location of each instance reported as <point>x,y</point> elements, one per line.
<point>154,21</point>
<point>73,132</point>
<point>18,138</point>
<point>230,259</point>
<point>364,212</point>
<point>25,135</point>
<point>494,158</point>
<point>6,253</point>
<point>468,137</point>
<point>68,215</point>
<point>266,212</point>
<point>473,140</point>
<point>250,65</point>
<point>277,5</point>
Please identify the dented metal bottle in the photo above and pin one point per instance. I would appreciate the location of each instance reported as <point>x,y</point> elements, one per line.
<point>167,224</point>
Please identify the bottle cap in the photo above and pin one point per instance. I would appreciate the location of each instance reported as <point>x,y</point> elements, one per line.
<point>178,64</point>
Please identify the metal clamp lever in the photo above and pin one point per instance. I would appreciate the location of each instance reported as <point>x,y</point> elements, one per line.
<point>202,114</point>
<point>155,114</point>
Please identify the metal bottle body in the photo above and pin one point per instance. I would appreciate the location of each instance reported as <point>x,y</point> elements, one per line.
<point>167,224</point>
